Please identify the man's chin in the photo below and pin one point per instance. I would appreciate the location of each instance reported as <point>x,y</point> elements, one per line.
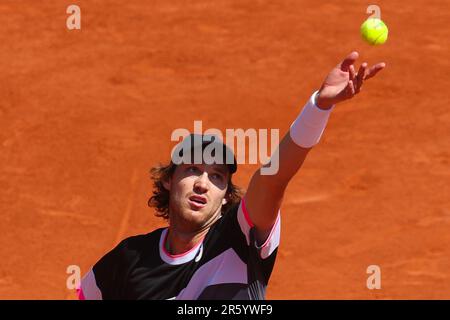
<point>198,218</point>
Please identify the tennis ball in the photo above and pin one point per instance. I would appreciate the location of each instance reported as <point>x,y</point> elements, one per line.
<point>374,31</point>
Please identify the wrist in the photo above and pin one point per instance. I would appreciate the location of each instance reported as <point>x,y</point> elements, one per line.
<point>322,103</point>
<point>307,128</point>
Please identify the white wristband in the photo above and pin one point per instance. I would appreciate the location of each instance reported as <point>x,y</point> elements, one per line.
<point>307,129</point>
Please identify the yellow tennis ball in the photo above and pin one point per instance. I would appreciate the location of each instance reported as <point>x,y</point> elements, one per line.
<point>374,31</point>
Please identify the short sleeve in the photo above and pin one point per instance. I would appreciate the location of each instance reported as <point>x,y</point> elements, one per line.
<point>88,289</point>
<point>245,224</point>
<point>104,280</point>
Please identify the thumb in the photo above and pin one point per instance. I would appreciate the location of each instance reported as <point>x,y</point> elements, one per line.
<point>348,61</point>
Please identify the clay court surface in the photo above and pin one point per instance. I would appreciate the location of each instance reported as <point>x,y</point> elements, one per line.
<point>85,114</point>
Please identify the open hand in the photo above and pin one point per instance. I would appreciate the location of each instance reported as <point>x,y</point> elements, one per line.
<point>343,83</point>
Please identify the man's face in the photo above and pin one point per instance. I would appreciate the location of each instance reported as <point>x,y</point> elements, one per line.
<point>197,193</point>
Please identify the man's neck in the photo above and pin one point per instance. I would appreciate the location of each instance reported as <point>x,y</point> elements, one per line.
<point>179,242</point>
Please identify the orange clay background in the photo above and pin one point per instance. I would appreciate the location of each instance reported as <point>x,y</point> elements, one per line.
<point>85,114</point>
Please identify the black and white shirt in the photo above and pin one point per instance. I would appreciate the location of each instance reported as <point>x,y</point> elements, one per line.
<point>225,264</point>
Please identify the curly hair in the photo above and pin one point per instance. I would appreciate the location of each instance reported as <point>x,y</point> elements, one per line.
<point>160,198</point>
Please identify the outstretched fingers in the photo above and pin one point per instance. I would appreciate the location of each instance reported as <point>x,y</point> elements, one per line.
<point>348,61</point>
<point>352,72</point>
<point>350,89</point>
<point>375,69</point>
<point>360,77</point>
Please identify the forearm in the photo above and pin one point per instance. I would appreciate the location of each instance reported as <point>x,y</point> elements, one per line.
<point>288,158</point>
<point>304,133</point>
<point>267,186</point>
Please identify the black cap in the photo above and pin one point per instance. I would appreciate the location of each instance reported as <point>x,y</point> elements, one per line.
<point>196,144</point>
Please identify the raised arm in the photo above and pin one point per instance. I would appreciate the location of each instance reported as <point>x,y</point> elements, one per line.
<point>265,192</point>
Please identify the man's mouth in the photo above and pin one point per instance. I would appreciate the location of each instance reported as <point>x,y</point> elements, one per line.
<point>197,201</point>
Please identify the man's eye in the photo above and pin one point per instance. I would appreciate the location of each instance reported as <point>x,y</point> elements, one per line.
<point>192,169</point>
<point>217,176</point>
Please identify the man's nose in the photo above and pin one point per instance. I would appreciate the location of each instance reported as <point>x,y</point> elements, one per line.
<point>201,183</point>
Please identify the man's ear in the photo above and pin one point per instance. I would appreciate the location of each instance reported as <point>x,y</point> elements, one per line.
<point>166,184</point>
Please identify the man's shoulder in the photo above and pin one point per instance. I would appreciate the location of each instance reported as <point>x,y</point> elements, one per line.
<point>134,245</point>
